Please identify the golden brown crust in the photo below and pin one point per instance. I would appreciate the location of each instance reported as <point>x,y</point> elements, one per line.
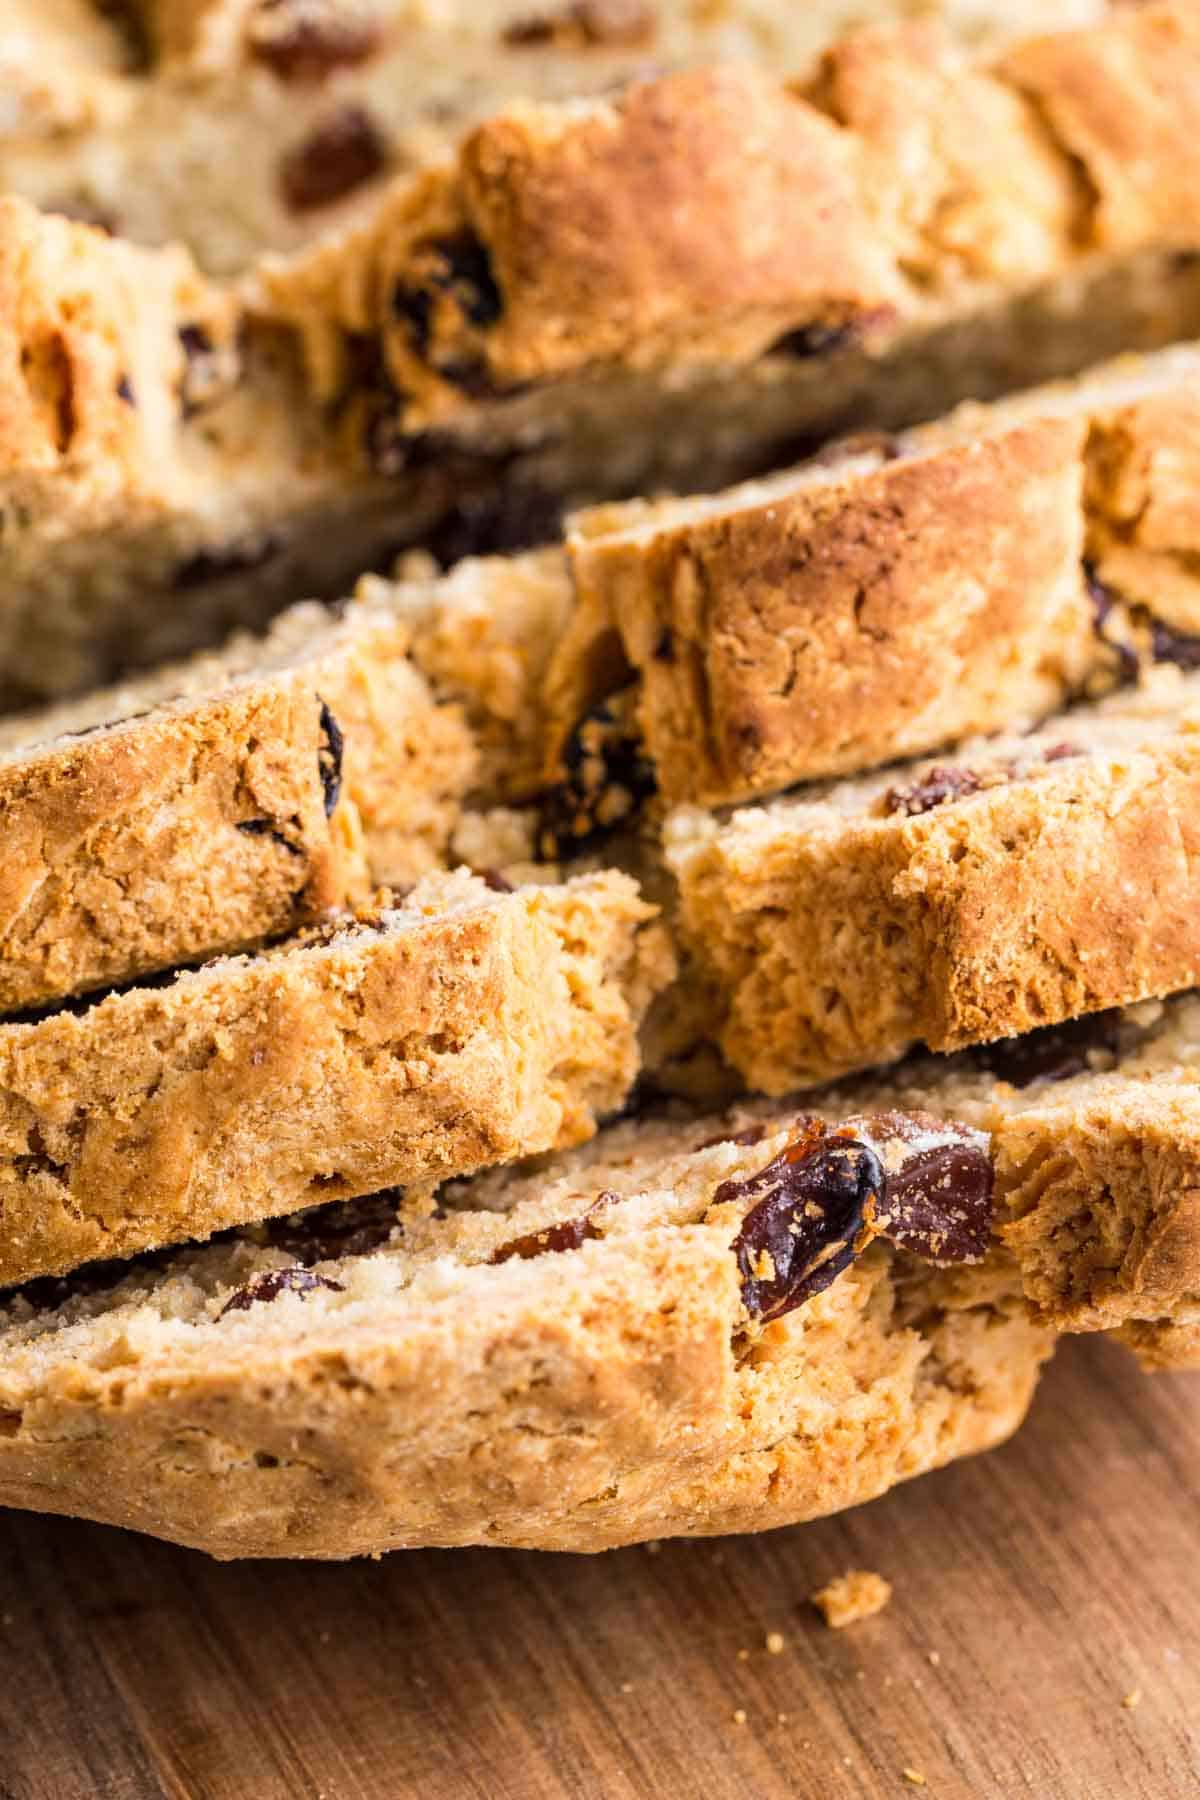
<point>214,803</point>
<point>470,1028</point>
<point>831,628</point>
<point>194,831</point>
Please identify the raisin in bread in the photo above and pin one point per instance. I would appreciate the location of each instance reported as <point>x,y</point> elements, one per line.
<point>252,122</point>
<point>962,577</point>
<point>405,1043</point>
<point>466,360</point>
<point>1094,1136</point>
<point>594,1352</point>
<point>1019,883</point>
<point>223,800</point>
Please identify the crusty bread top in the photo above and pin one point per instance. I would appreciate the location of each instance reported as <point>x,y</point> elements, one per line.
<point>709,214</point>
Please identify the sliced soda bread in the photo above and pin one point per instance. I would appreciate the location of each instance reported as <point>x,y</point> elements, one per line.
<point>591,299</point>
<point>574,1358</point>
<point>402,1044</point>
<point>245,124</point>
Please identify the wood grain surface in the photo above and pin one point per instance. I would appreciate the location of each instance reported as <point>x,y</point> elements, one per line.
<point>1043,1639</point>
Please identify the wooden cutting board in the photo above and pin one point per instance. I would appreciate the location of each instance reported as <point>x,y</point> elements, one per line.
<point>1043,1640</point>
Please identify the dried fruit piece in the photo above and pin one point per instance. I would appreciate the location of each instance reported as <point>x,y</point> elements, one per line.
<point>1170,646</point>
<point>806,1228</point>
<point>937,1198</point>
<point>585,23</point>
<point>342,1228</point>
<point>607,778</point>
<point>329,758</point>
<point>303,41</point>
<point>943,784</point>
<point>923,1184</point>
<point>234,559</point>
<point>934,788</point>
<point>272,1282</point>
<point>568,1234</point>
<point>342,153</point>
<point>1055,1052</point>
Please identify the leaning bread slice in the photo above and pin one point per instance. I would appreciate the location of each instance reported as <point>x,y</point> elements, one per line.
<point>586,1354</point>
<point>217,802</point>
<point>1021,882</point>
<point>459,1027</point>
<point>657,288</point>
<point>961,577</point>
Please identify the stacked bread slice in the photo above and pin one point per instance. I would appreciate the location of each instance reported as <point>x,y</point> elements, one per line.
<point>587,299</point>
<point>660,1032</point>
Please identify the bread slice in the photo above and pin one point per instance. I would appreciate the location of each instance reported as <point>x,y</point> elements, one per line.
<point>1021,882</point>
<point>248,125</point>
<point>571,1358</point>
<point>963,577</point>
<point>592,299</point>
<point>218,802</point>
<point>409,1042</point>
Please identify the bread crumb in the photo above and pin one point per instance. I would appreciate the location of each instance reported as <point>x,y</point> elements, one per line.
<point>1132,1699</point>
<point>858,1594</point>
<point>653,1547</point>
<point>776,1643</point>
<point>935,1659</point>
<point>627,1687</point>
<point>914,1777</point>
<point>743,1656</point>
<point>739,1717</point>
<point>781,1718</point>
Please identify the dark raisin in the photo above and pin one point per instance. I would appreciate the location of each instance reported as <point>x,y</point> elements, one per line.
<point>342,1228</point>
<point>125,391</point>
<point>329,758</point>
<point>470,278</point>
<point>1170,646</point>
<point>585,23</point>
<point>1104,600</point>
<point>217,565</point>
<point>303,41</point>
<point>664,649</point>
<point>607,779</point>
<point>750,1134</point>
<point>826,1195</point>
<point>342,153</point>
<point>814,340</point>
<point>569,1234</point>
<point>268,828</point>
<point>938,1203</point>
<point>460,269</point>
<point>39,1161</point>
<point>271,1283</point>
<point>202,372</point>
<point>518,518</point>
<point>1055,1052</point>
<point>802,1233</point>
<point>934,788</point>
